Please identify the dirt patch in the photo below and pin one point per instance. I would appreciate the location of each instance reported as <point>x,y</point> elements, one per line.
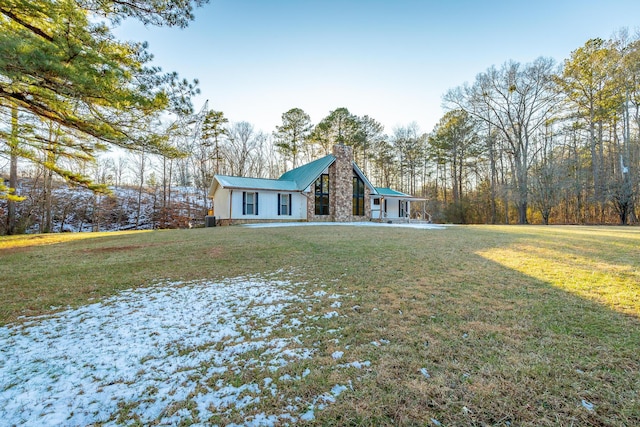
<point>115,249</point>
<point>14,250</point>
<point>215,252</point>
<point>112,249</point>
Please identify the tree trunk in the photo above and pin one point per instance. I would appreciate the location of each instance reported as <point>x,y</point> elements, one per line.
<point>47,226</point>
<point>493,175</point>
<point>140,187</point>
<point>13,171</point>
<point>603,185</point>
<point>522,212</point>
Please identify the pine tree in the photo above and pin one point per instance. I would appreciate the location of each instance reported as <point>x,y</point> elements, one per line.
<point>293,134</point>
<point>59,65</point>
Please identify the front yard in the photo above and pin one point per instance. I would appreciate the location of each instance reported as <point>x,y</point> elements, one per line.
<point>326,325</point>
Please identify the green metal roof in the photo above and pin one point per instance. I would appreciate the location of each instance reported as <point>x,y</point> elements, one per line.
<point>306,175</point>
<point>386,192</point>
<point>255,183</point>
<point>296,179</point>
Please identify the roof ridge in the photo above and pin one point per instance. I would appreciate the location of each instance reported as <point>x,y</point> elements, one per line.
<point>245,177</point>
<point>305,175</point>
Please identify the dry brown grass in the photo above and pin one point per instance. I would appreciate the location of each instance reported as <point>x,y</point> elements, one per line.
<point>515,325</point>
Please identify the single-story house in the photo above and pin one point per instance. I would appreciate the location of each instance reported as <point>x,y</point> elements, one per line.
<point>332,188</point>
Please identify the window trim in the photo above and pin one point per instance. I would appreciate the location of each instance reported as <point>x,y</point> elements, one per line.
<point>357,201</point>
<point>280,205</point>
<point>320,193</point>
<point>402,208</point>
<point>254,205</point>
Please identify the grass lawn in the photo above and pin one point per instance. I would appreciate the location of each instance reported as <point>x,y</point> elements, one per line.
<point>469,325</point>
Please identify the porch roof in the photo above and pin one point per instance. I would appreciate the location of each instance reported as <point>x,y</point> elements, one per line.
<point>389,192</point>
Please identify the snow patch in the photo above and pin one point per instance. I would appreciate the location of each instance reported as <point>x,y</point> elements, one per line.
<point>173,345</point>
<point>587,405</point>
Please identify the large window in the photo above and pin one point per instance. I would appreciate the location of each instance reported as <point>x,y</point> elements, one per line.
<point>358,196</point>
<point>284,204</point>
<point>249,203</point>
<point>322,195</point>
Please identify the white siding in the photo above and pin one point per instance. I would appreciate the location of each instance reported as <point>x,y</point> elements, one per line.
<point>393,208</point>
<point>267,205</point>
<point>376,210</point>
<point>221,204</point>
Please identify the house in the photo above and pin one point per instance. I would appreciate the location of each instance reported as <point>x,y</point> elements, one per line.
<point>332,188</point>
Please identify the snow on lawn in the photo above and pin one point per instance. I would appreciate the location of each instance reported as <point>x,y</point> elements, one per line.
<point>164,354</point>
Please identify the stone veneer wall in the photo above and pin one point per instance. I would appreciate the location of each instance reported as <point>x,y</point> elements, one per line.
<point>340,190</point>
<point>367,202</point>
<point>341,184</point>
<point>311,205</point>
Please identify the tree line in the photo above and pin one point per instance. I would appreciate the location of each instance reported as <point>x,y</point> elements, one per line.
<point>538,142</point>
<point>523,143</point>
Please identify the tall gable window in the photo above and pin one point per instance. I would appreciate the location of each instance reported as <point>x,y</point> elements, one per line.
<point>322,195</point>
<point>284,204</point>
<point>358,196</point>
<point>249,203</point>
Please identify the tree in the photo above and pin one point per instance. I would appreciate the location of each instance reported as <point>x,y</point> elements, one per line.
<point>371,136</point>
<point>629,76</point>
<point>292,134</point>
<point>242,142</point>
<point>548,179</point>
<point>339,127</point>
<point>213,128</point>
<point>170,13</point>
<point>587,81</point>
<point>13,145</point>
<point>139,164</point>
<point>59,65</point>
<point>455,141</point>
<point>410,146</point>
<point>516,100</point>
<point>384,161</point>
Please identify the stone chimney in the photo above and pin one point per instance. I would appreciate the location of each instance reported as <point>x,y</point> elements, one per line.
<point>341,184</point>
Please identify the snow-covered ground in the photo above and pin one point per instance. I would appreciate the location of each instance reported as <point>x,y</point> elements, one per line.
<point>169,353</point>
<point>424,226</point>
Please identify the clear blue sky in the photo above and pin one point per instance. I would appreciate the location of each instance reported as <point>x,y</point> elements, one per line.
<point>392,60</point>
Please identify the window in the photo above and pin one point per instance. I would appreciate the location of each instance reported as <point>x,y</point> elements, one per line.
<point>284,204</point>
<point>358,196</point>
<point>402,208</point>
<point>376,202</point>
<point>249,203</point>
<point>322,195</point>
